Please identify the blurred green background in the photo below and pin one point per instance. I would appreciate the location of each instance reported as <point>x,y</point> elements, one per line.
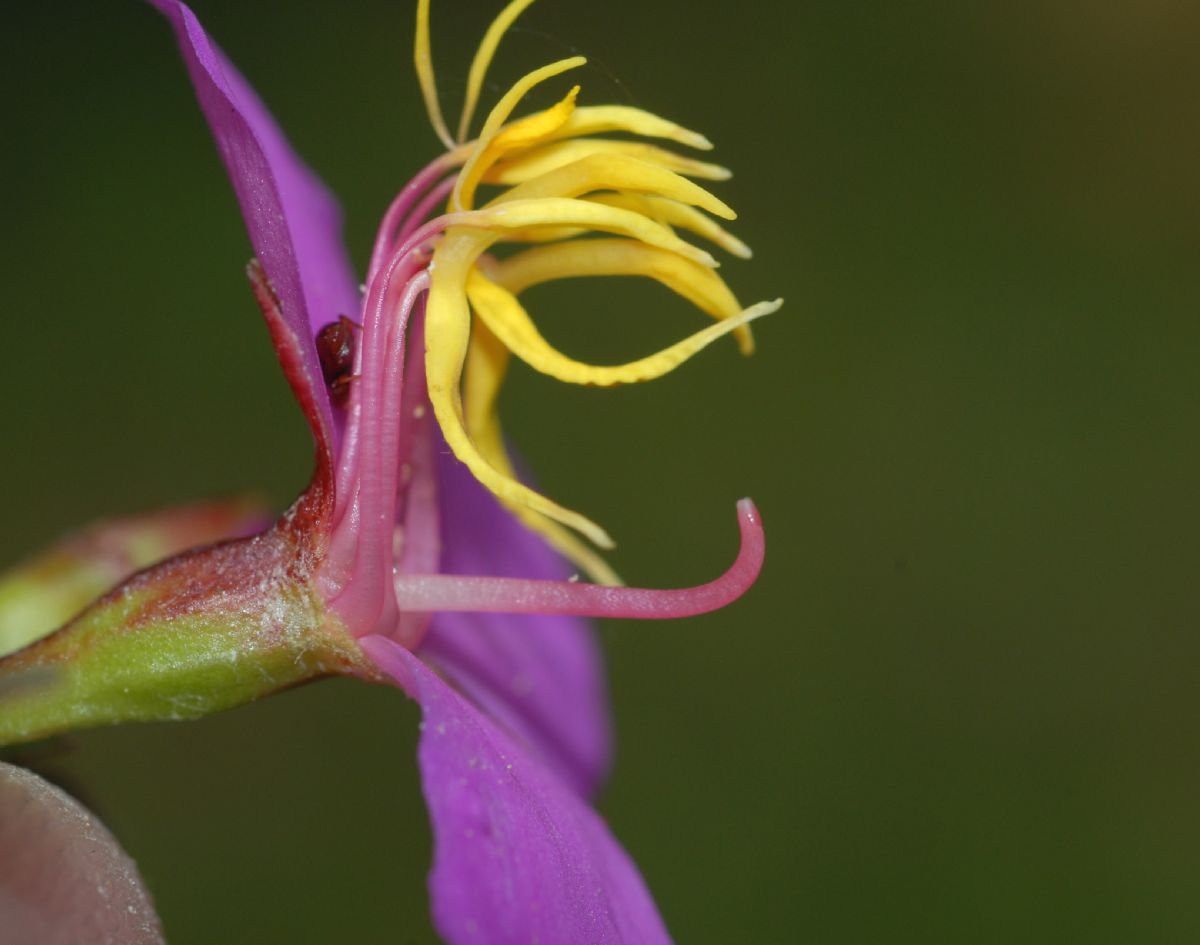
<point>961,704</point>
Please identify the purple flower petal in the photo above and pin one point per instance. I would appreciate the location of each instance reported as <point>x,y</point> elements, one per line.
<point>518,856</point>
<point>295,224</point>
<point>540,677</point>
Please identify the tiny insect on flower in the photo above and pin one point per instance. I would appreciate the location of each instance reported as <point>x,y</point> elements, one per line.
<point>416,557</point>
<point>335,349</point>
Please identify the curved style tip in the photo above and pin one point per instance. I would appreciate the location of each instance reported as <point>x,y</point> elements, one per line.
<point>440,592</point>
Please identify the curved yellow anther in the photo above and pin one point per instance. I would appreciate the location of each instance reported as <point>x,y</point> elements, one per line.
<point>482,157</point>
<point>447,331</point>
<point>423,59</point>
<point>662,210</point>
<point>674,213</point>
<point>508,320</point>
<point>620,257</point>
<point>615,172</point>
<point>486,365</point>
<point>535,127</point>
<point>599,119</point>
<point>565,211</point>
<point>563,183</point>
<point>548,157</point>
<point>483,59</point>
<point>510,138</point>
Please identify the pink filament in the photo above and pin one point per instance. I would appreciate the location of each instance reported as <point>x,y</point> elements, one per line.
<point>430,592</point>
<point>357,576</point>
<point>386,235</point>
<point>407,260</point>
<point>426,207</point>
<point>366,602</point>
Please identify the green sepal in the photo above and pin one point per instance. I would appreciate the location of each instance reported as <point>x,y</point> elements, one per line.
<point>44,592</point>
<point>207,630</point>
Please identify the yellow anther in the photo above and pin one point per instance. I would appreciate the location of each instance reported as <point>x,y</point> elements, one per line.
<point>674,213</point>
<point>447,331</point>
<point>423,59</point>
<point>486,365</point>
<point>617,257</point>
<point>616,172</point>
<point>601,119</point>
<point>533,128</point>
<point>481,158</point>
<point>530,164</point>
<point>506,318</point>
<point>562,183</point>
<point>564,211</point>
<point>513,137</point>
<point>483,59</point>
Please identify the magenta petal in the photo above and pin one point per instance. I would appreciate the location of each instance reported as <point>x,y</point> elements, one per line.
<point>295,225</point>
<point>541,677</point>
<point>518,856</point>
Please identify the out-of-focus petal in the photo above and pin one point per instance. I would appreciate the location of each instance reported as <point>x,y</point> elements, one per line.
<point>206,630</point>
<point>518,856</point>
<point>540,677</point>
<point>63,878</point>
<point>46,591</point>
<point>295,225</point>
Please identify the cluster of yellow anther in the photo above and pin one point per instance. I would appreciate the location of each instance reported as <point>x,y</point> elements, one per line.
<point>562,183</point>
